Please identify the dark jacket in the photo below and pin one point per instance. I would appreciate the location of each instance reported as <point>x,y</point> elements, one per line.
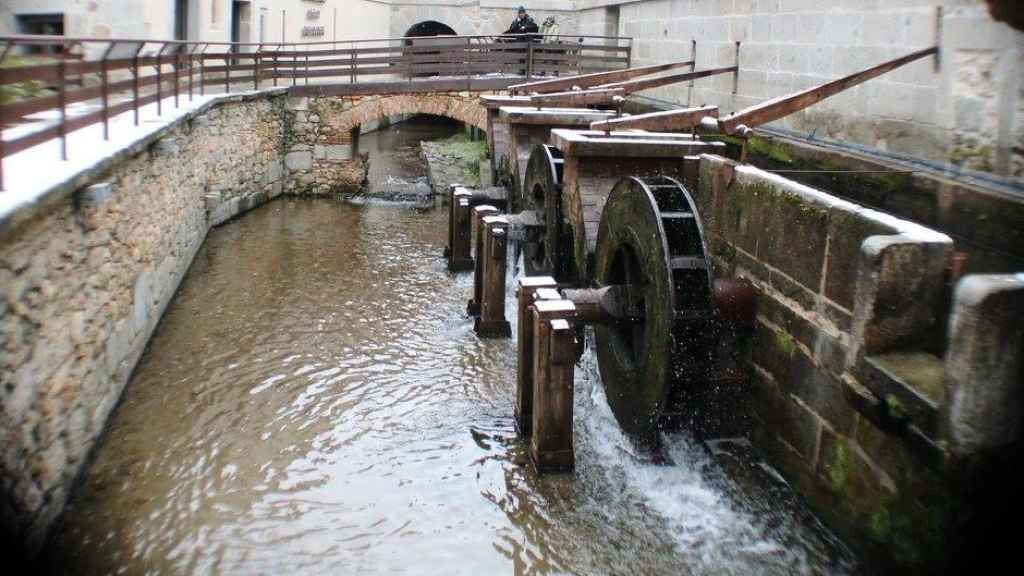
<point>523,26</point>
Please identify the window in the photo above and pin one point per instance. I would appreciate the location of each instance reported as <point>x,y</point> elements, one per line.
<point>41,24</point>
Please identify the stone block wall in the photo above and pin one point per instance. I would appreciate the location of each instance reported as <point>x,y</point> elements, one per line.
<point>968,112</point>
<point>86,280</point>
<point>839,288</point>
<point>87,270</point>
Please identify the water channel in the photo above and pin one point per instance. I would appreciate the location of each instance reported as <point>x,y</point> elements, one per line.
<point>315,399</point>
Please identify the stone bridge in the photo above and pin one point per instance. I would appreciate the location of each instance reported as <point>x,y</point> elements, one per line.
<point>322,132</point>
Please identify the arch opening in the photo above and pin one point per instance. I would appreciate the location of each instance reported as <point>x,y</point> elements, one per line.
<point>428,28</point>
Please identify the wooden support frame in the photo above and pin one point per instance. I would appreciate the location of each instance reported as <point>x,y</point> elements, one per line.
<point>527,293</point>
<point>460,215</point>
<point>551,441</point>
<point>479,213</point>
<point>592,80</point>
<point>494,259</point>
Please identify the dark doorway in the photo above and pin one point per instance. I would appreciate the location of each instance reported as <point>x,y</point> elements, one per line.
<point>424,30</point>
<point>429,28</point>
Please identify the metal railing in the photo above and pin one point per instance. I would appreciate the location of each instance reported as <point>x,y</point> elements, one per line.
<point>85,81</point>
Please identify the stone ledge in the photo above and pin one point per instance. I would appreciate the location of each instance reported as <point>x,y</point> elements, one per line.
<point>41,203</point>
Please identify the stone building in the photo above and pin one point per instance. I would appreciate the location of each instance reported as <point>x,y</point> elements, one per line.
<point>205,20</point>
<point>965,111</point>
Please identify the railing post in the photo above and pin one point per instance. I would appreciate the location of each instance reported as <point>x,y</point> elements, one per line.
<point>352,64</point>
<point>62,128</point>
<point>177,74</point>
<point>202,70</point>
<point>105,91</point>
<point>529,60</point>
<point>256,68</point>
<point>227,72</point>
<point>276,54</point>
<point>191,65</point>
<point>135,81</point>
<point>159,79</point>
<point>3,55</point>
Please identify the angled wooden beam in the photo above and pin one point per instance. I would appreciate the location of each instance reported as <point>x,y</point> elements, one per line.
<point>631,86</point>
<point>667,121</point>
<point>784,106</point>
<point>591,80</point>
<point>576,98</point>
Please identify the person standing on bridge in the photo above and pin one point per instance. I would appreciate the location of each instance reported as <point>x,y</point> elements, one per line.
<point>550,30</point>
<point>523,24</point>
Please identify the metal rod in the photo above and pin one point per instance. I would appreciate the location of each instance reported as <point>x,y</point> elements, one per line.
<point>937,64</point>
<point>736,70</point>
<point>693,68</point>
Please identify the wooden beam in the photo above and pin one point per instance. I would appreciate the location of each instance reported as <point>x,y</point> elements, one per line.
<point>784,106</point>
<point>683,119</point>
<point>576,98</point>
<point>631,86</point>
<point>595,79</point>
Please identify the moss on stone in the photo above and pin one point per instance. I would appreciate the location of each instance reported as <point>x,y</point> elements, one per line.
<point>786,343</point>
<point>839,466</point>
<point>880,525</point>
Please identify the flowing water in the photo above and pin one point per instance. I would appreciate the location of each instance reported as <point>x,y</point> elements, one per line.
<point>315,399</point>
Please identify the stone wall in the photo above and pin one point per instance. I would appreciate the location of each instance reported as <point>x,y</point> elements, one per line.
<point>968,112</point>
<point>88,269</point>
<point>86,281</point>
<point>850,397</point>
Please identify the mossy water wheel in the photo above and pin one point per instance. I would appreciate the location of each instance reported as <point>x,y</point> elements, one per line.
<point>651,241</point>
<point>542,189</point>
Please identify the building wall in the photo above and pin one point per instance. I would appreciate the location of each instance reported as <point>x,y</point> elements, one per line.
<point>480,17</point>
<point>209,19</point>
<point>967,112</point>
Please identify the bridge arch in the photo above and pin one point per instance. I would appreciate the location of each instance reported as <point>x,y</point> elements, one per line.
<point>464,108</point>
<point>429,28</point>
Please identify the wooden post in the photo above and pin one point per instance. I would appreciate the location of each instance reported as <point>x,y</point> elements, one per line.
<point>479,212</point>
<point>551,444</point>
<point>526,295</point>
<point>459,225</point>
<point>492,322</point>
